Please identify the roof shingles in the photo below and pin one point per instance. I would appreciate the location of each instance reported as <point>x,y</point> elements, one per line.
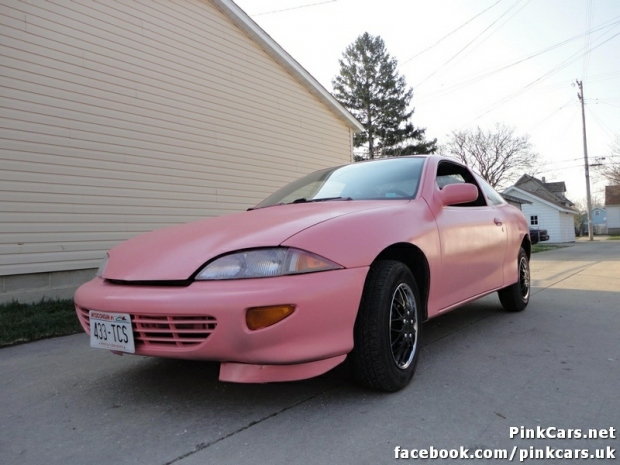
<point>612,195</point>
<point>550,191</point>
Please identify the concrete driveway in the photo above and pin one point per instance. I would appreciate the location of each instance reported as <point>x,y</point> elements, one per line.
<point>482,372</point>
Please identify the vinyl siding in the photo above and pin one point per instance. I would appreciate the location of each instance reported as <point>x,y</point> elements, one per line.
<point>120,117</point>
<point>601,218</point>
<point>613,216</point>
<point>567,227</point>
<point>548,219</point>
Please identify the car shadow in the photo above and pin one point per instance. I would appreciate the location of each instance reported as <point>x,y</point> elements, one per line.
<point>177,380</point>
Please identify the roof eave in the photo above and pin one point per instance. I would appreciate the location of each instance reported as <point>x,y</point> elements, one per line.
<point>245,23</point>
<point>546,202</point>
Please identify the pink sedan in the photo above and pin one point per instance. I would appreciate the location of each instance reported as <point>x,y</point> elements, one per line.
<point>345,263</point>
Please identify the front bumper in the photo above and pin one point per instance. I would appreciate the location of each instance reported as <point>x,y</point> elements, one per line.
<point>313,339</point>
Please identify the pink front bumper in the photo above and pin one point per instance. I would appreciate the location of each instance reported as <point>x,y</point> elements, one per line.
<point>311,341</point>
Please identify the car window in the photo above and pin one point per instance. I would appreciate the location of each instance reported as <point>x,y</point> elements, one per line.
<point>393,178</point>
<point>492,195</point>
<point>444,180</point>
<point>451,173</point>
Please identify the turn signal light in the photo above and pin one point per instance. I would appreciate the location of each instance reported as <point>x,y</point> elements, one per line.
<point>262,317</point>
<point>309,262</point>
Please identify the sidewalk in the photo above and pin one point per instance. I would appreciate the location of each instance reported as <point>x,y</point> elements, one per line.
<point>597,238</point>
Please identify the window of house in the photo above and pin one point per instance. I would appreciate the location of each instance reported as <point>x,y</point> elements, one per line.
<point>596,212</point>
<point>534,220</point>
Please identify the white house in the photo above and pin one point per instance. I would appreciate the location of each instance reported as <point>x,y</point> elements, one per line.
<point>547,207</point>
<point>119,117</point>
<point>612,206</point>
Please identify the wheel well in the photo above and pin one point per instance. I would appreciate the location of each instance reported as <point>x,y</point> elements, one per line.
<point>527,246</point>
<point>416,261</point>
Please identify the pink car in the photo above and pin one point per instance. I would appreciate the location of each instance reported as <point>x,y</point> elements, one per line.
<point>345,263</point>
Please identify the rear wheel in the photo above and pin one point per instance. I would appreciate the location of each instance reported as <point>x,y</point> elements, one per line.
<point>515,298</point>
<point>388,328</point>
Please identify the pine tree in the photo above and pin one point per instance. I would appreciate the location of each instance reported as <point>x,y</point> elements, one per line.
<point>370,87</point>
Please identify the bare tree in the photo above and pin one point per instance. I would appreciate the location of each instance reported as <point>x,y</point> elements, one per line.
<point>611,170</point>
<point>498,155</point>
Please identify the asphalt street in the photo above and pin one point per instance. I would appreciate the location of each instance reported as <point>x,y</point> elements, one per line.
<point>482,371</point>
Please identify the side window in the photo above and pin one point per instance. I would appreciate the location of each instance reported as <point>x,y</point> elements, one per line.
<point>534,220</point>
<point>451,173</point>
<point>491,193</point>
<point>444,180</point>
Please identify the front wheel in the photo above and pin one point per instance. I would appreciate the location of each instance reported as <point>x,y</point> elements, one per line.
<point>387,329</point>
<point>515,297</point>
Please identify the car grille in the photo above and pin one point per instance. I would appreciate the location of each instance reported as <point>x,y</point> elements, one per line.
<point>165,330</point>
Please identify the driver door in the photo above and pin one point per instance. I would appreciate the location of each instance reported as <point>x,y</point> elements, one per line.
<point>473,242</point>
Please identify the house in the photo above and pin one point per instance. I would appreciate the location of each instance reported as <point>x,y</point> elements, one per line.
<point>122,117</point>
<point>612,206</point>
<point>599,222</point>
<point>549,208</point>
<point>515,201</point>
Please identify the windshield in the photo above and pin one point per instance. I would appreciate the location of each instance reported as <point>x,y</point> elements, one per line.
<point>390,178</point>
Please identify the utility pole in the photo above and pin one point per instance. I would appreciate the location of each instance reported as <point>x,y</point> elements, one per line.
<point>585,157</point>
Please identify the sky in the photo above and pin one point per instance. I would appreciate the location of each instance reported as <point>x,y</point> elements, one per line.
<point>480,62</point>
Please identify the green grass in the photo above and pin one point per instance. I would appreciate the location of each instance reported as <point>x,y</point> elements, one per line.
<point>615,237</point>
<point>544,247</point>
<point>30,322</point>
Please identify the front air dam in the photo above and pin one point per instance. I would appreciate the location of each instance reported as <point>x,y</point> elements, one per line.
<point>247,373</point>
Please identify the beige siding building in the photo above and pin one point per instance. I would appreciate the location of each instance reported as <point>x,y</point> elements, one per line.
<point>119,117</point>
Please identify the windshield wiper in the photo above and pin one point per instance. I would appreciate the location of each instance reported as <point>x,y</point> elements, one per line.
<point>266,206</point>
<point>302,200</point>
<point>323,199</point>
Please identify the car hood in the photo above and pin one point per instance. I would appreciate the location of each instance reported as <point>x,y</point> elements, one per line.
<point>176,253</point>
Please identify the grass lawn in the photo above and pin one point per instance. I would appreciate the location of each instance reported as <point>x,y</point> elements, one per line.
<point>30,322</point>
<point>544,247</point>
<point>613,238</point>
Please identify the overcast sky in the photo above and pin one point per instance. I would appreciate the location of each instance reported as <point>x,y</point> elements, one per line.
<point>477,62</point>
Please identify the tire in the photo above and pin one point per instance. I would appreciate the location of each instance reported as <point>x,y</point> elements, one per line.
<point>388,328</point>
<point>515,298</point>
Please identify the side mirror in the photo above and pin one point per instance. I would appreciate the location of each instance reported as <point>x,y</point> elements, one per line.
<point>454,194</point>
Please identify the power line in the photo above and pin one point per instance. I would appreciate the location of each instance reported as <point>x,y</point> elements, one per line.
<point>570,102</point>
<point>586,61</point>
<point>294,8</point>
<point>553,71</point>
<point>555,162</point>
<point>600,123</point>
<point>562,168</point>
<point>449,34</point>
<point>591,79</point>
<point>603,77</point>
<point>606,99</point>
<point>469,43</point>
<point>610,104</point>
<point>488,73</point>
<point>491,34</point>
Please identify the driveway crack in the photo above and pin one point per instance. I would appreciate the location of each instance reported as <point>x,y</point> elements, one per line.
<point>206,445</point>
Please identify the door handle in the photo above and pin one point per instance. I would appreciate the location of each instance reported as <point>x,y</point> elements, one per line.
<point>497,221</point>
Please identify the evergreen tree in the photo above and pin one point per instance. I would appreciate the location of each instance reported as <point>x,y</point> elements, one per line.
<point>370,87</point>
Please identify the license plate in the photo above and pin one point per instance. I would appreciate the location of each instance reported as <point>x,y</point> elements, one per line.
<point>111,331</point>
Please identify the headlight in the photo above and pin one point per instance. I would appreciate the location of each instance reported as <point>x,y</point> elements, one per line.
<point>263,263</point>
<point>104,263</point>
